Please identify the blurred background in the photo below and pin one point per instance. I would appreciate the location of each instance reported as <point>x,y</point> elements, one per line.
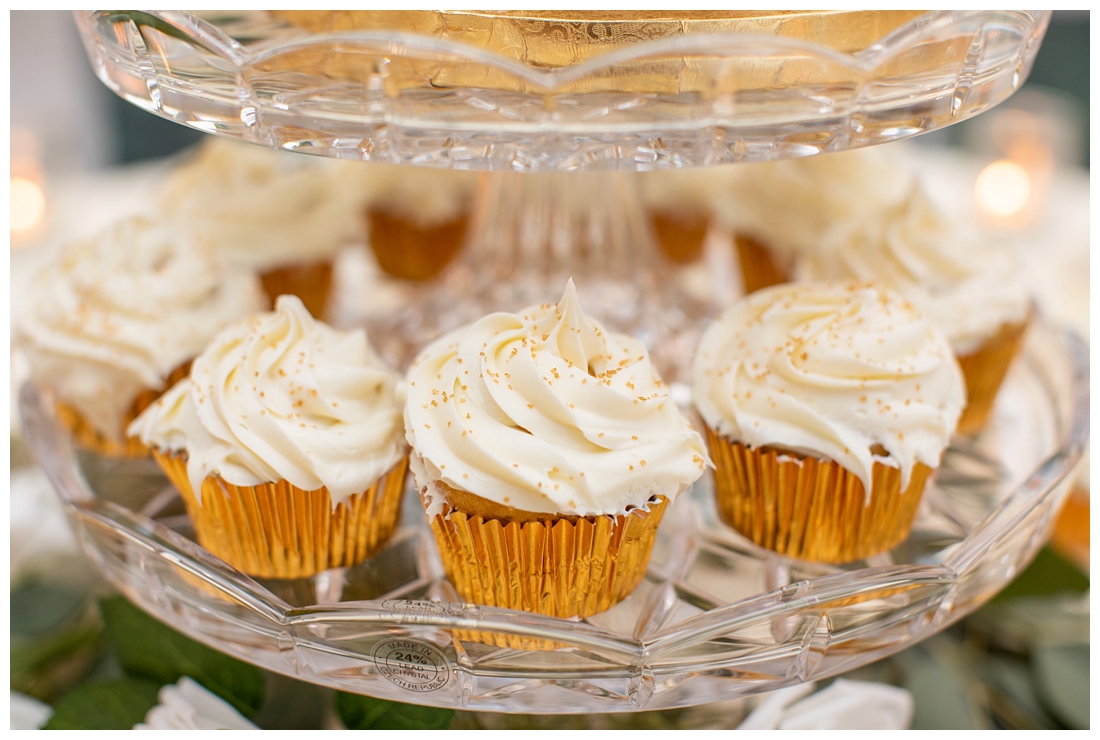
<point>78,151</point>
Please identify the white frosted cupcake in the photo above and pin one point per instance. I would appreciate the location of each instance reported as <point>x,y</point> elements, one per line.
<point>417,218</point>
<point>554,439</point>
<point>678,204</point>
<point>780,210</point>
<point>287,443</point>
<point>282,215</point>
<point>117,319</point>
<point>827,407</point>
<point>974,293</point>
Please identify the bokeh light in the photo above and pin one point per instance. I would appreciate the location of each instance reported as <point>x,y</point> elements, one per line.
<point>28,205</point>
<point>1003,188</point>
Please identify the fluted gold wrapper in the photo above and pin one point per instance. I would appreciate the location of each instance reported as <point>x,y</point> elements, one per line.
<point>412,252</point>
<point>984,371</point>
<point>562,566</point>
<point>811,508</point>
<point>309,281</point>
<point>758,267</point>
<point>90,438</point>
<point>680,235</point>
<point>274,530</point>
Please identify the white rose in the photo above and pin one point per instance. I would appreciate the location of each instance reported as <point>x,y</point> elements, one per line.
<point>186,705</point>
<point>845,705</point>
<point>28,713</point>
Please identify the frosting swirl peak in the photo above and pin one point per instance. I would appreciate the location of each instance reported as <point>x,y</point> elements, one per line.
<point>847,371</point>
<point>282,396</point>
<point>546,411</point>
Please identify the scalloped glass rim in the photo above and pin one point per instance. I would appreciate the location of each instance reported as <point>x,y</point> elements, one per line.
<point>369,95</point>
<point>812,621</point>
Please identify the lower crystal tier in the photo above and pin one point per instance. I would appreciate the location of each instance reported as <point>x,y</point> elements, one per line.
<point>714,618</point>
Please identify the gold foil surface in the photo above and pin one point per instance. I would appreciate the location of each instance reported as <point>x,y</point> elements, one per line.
<point>984,371</point>
<point>90,438</point>
<point>311,282</point>
<point>809,508</point>
<point>552,40</point>
<point>758,268</point>
<point>562,566</point>
<point>274,530</point>
<point>680,235</point>
<point>412,252</point>
<point>561,38</point>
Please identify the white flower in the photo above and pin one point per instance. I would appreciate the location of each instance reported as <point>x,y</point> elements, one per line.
<point>40,534</point>
<point>28,713</point>
<point>186,705</point>
<point>845,705</point>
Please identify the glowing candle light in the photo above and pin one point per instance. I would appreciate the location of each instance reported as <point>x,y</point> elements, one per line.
<point>28,205</point>
<point>1003,188</point>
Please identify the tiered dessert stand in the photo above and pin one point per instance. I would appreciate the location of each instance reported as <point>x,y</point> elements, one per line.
<point>716,617</point>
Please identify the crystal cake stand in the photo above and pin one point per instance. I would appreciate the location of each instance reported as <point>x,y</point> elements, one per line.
<point>715,617</point>
<point>739,90</point>
<point>541,95</point>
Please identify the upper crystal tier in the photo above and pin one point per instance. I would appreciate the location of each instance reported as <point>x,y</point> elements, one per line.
<point>539,93</point>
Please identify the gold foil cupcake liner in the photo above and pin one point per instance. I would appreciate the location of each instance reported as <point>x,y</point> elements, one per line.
<point>562,566</point>
<point>309,281</point>
<point>412,252</point>
<point>275,530</point>
<point>984,371</point>
<point>758,267</point>
<point>680,235</point>
<point>89,437</point>
<point>810,508</point>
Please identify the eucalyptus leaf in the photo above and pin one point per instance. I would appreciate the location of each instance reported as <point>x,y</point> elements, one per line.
<point>1062,676</point>
<point>148,649</point>
<point>39,607</point>
<point>941,700</point>
<point>1049,574</point>
<point>367,713</point>
<point>105,705</point>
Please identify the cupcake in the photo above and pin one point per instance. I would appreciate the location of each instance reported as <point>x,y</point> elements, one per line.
<point>286,443</point>
<point>974,293</point>
<point>545,449</point>
<point>780,210</point>
<point>281,215</point>
<point>827,407</point>
<point>678,206</point>
<point>417,217</point>
<point>115,320</point>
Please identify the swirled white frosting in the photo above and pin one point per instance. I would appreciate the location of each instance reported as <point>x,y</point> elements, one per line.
<point>264,209</point>
<point>114,315</point>
<point>965,287</point>
<point>546,411</point>
<point>831,370</point>
<point>788,205</point>
<point>281,396</point>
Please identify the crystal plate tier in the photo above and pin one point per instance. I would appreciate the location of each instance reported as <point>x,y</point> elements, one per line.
<point>715,617</point>
<point>669,94</point>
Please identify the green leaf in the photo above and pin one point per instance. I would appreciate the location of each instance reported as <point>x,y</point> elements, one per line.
<point>56,638</point>
<point>39,607</point>
<point>367,713</point>
<point>1062,675</point>
<point>106,705</point>
<point>1048,574</point>
<point>941,686</point>
<point>148,649</point>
